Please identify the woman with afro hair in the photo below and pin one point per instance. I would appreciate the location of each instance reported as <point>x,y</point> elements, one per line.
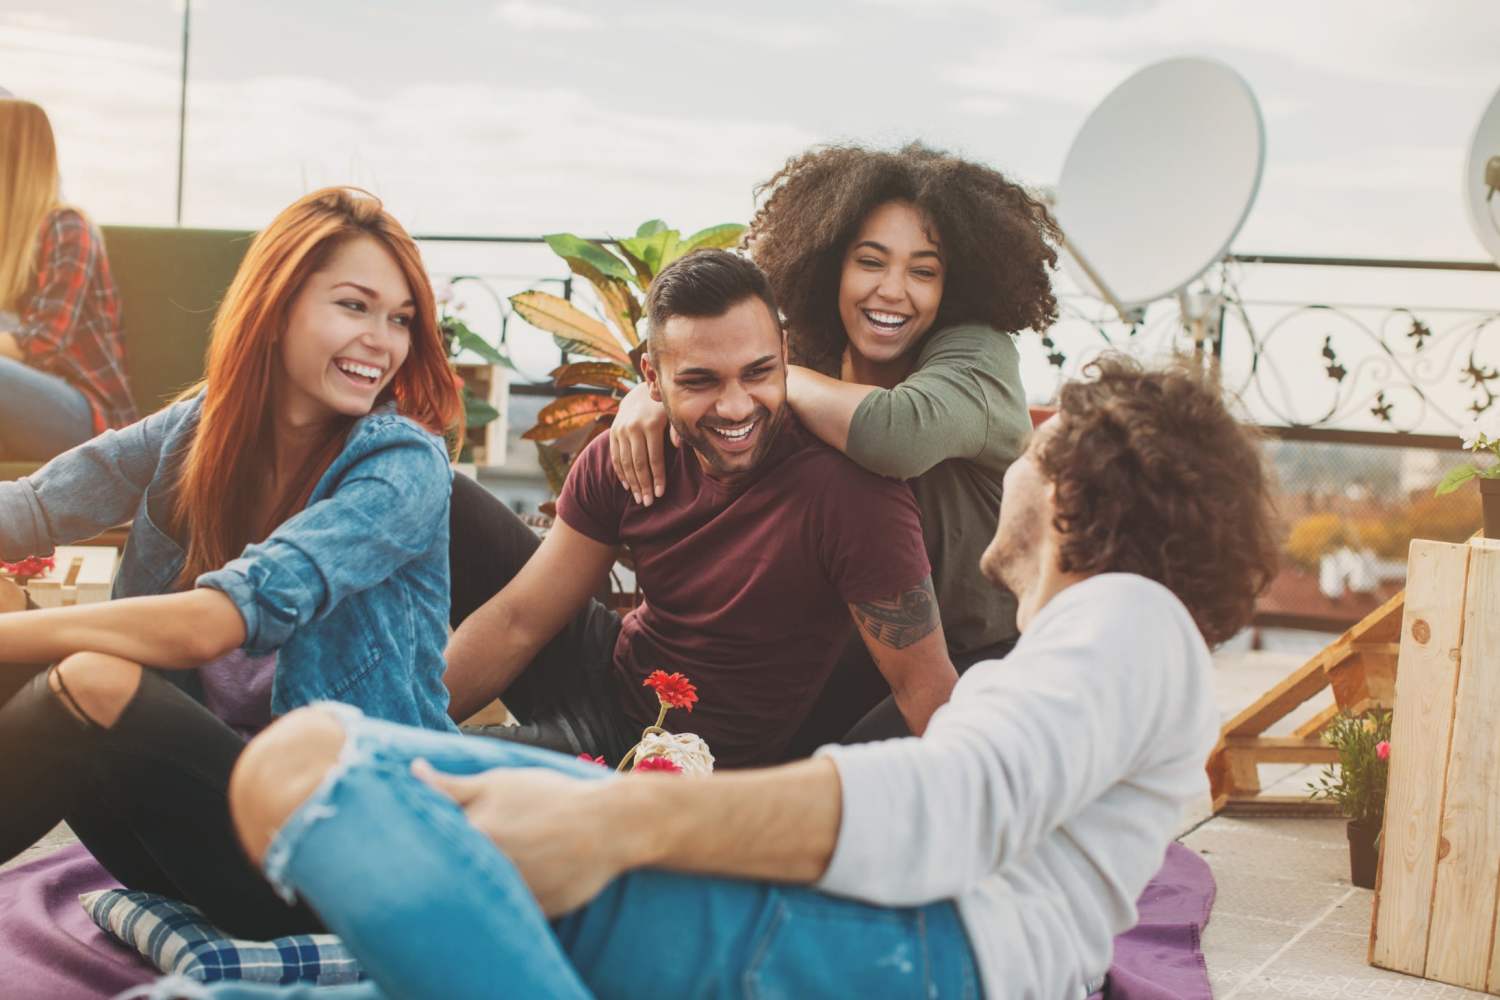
<point>904,277</point>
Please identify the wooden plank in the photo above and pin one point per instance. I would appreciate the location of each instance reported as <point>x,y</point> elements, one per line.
<point>1249,806</point>
<point>1315,726</point>
<point>1430,639</point>
<point>1281,750</point>
<point>1468,867</point>
<point>1244,774</point>
<point>1306,681</point>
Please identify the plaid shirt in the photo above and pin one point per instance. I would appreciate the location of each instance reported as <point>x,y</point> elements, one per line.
<point>70,321</point>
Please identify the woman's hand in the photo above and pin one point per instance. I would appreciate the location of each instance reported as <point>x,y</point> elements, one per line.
<point>637,445</point>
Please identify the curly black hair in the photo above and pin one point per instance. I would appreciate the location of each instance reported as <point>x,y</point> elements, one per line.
<point>1155,476</point>
<point>999,242</point>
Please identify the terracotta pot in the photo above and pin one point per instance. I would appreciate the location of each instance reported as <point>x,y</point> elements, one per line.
<point>1364,853</point>
<point>1489,499</point>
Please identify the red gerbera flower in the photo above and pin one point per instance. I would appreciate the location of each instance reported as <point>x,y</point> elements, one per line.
<point>673,690</point>
<point>658,764</point>
<point>592,760</point>
<point>30,566</point>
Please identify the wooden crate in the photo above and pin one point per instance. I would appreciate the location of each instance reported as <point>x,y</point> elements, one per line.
<point>1439,883</point>
<point>490,383</point>
<point>83,574</point>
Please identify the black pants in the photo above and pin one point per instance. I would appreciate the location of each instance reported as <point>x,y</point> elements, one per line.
<point>147,797</point>
<point>856,705</point>
<point>567,699</point>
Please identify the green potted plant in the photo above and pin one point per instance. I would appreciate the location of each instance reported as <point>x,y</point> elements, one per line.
<point>1358,785</point>
<point>1481,436</point>
<point>459,339</point>
<point>620,274</point>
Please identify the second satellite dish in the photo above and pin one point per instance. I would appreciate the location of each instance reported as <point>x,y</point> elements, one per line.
<point>1482,179</point>
<point>1160,179</point>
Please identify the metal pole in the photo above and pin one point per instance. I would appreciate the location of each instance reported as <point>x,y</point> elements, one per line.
<point>187,14</point>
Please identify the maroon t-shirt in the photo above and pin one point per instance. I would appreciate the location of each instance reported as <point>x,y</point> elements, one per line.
<point>747,589</point>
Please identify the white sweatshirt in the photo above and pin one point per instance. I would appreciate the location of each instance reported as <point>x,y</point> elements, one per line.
<point>1043,795</point>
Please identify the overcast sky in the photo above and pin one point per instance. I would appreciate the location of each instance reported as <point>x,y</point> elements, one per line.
<point>524,116</point>
<point>533,116</point>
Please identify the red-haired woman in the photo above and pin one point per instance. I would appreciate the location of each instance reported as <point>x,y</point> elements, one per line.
<point>903,276</point>
<point>289,545</point>
<point>62,357</point>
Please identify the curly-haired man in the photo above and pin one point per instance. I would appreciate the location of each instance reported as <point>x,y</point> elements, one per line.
<point>999,852</point>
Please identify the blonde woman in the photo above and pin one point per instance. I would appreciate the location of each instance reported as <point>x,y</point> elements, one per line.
<point>62,359</point>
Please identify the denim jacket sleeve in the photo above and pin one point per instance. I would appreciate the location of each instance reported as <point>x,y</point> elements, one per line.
<point>387,503</point>
<point>86,490</point>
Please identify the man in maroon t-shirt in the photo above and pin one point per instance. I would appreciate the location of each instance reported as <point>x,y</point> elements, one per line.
<point>765,545</point>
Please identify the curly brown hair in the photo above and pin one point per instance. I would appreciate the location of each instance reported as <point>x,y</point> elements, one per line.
<point>998,242</point>
<point>1155,476</point>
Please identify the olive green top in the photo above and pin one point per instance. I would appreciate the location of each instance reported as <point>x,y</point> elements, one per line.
<point>952,428</point>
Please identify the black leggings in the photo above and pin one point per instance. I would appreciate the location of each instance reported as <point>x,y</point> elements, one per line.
<point>147,796</point>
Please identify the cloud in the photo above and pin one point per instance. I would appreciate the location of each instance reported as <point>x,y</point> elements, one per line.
<point>528,15</point>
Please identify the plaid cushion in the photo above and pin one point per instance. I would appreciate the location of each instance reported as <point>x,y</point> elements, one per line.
<point>176,938</point>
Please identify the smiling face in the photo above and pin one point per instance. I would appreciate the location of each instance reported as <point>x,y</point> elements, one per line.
<point>892,282</point>
<point>347,332</point>
<point>722,380</point>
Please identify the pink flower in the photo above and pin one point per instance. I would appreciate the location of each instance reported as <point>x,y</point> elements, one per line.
<point>658,764</point>
<point>593,760</point>
<point>1383,750</point>
<point>673,690</point>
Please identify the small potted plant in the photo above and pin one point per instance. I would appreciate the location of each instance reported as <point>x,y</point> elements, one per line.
<point>1358,785</point>
<point>1481,435</point>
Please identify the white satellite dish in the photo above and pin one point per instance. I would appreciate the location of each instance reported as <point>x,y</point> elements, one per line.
<point>1482,178</point>
<point>1159,181</point>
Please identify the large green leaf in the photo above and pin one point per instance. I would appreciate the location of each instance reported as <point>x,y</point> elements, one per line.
<point>588,259</point>
<point>574,330</point>
<point>651,228</point>
<point>477,412</point>
<point>570,413</point>
<point>722,237</point>
<point>1456,478</point>
<point>655,251</point>
<point>467,340</point>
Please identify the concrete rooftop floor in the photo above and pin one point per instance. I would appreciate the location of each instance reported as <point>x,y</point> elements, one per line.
<point>1286,922</point>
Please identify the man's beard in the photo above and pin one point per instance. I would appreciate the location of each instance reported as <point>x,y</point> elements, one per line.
<point>700,440</point>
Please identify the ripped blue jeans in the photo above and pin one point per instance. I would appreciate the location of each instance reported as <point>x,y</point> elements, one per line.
<point>433,909</point>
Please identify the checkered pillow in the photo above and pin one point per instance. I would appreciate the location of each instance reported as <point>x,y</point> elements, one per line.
<point>177,938</point>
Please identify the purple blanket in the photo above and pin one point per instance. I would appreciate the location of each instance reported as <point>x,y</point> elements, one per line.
<point>49,947</point>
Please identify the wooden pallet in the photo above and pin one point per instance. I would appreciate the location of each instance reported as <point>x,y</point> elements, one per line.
<point>1360,667</point>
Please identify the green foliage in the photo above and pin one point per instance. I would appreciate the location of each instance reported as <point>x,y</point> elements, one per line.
<point>621,275</point>
<point>1358,783</point>
<point>1456,478</point>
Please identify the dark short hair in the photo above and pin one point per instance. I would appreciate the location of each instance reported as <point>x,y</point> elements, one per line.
<point>1155,476</point>
<point>705,283</point>
<point>999,242</point>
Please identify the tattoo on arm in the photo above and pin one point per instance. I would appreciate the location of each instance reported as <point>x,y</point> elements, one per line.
<point>899,621</point>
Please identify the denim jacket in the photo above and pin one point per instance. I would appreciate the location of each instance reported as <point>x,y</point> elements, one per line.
<point>352,592</point>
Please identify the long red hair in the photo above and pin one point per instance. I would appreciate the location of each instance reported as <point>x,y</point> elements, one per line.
<point>223,472</point>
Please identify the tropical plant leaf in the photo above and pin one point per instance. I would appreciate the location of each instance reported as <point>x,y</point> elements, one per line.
<point>465,339</point>
<point>569,414</point>
<point>622,307</point>
<point>1456,478</point>
<point>642,270</point>
<point>602,374</point>
<point>651,227</point>
<point>554,467</point>
<point>574,330</point>
<point>586,256</point>
<point>653,250</point>
<point>722,237</point>
<point>477,412</point>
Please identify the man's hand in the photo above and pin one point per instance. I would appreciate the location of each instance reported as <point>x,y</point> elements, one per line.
<point>552,828</point>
